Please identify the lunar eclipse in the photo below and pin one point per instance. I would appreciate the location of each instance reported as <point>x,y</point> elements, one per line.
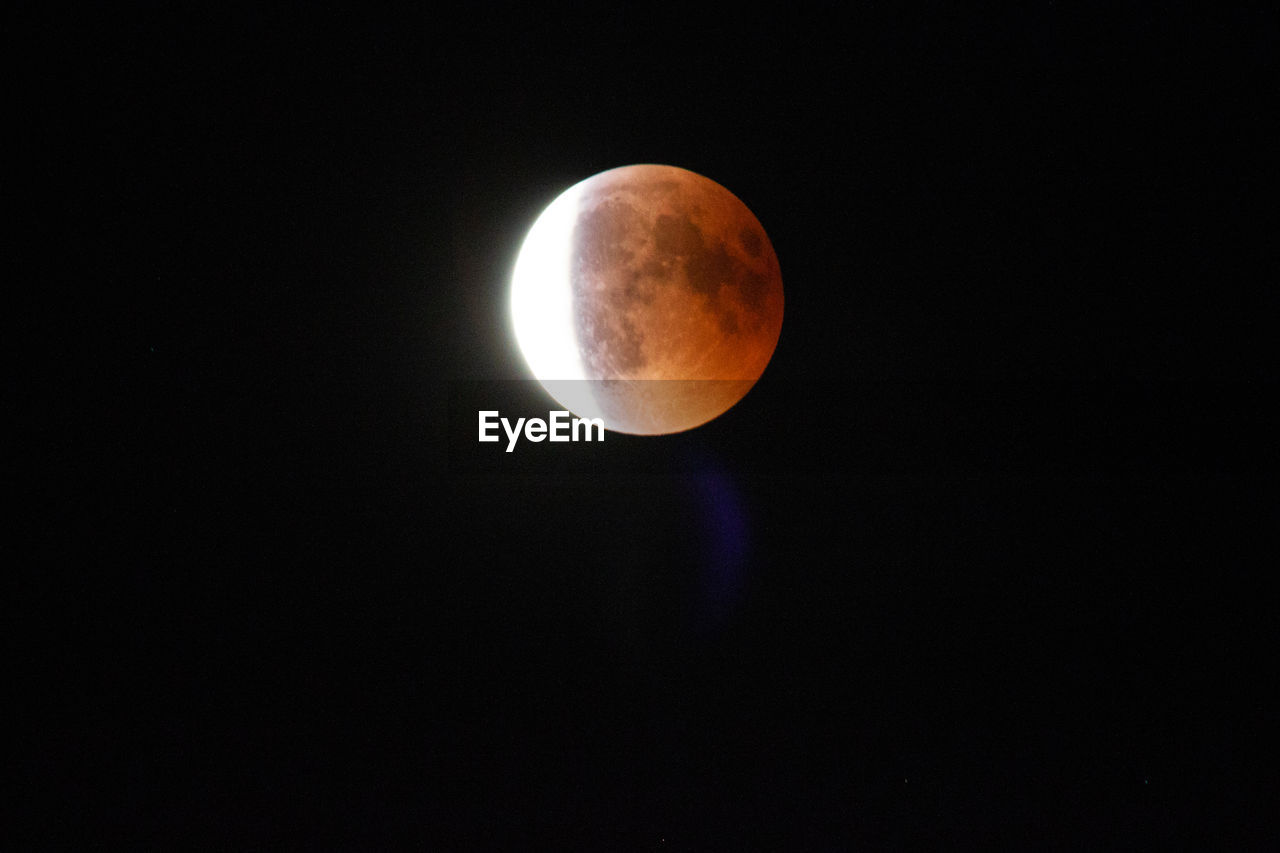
<point>649,296</point>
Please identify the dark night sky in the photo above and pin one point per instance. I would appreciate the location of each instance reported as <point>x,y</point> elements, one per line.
<point>980,562</point>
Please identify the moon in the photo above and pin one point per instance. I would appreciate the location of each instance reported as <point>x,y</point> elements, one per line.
<point>648,296</point>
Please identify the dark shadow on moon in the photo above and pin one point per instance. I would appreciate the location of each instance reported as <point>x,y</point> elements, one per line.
<point>611,283</point>
<point>752,242</point>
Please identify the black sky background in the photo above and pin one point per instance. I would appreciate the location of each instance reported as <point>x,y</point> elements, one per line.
<point>982,561</point>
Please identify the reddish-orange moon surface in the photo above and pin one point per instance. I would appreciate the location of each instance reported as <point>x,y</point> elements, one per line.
<point>647,295</point>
